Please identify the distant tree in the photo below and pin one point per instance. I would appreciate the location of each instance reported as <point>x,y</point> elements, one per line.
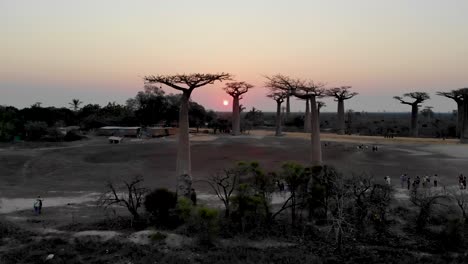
<point>149,105</point>
<point>185,83</point>
<point>457,96</point>
<point>304,90</point>
<point>75,104</point>
<point>255,116</point>
<point>236,90</point>
<point>197,115</point>
<point>320,104</point>
<point>279,97</point>
<point>341,94</point>
<point>419,97</point>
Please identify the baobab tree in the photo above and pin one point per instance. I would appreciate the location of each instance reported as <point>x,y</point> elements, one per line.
<point>279,96</point>
<point>457,96</point>
<point>236,90</point>
<point>320,104</point>
<point>313,90</point>
<point>305,90</point>
<point>464,112</point>
<point>341,94</point>
<point>75,104</point>
<point>185,83</point>
<point>419,97</point>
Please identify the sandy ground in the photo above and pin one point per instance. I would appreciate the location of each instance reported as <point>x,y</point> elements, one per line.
<point>70,176</point>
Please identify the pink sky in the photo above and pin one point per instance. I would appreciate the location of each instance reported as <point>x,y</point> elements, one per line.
<point>97,51</point>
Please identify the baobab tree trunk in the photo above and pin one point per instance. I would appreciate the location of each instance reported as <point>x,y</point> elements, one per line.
<point>464,127</point>
<point>288,108</point>
<point>316,147</point>
<point>183,167</point>
<point>341,117</point>
<point>460,117</point>
<point>235,116</point>
<point>278,119</point>
<point>307,120</point>
<point>414,120</point>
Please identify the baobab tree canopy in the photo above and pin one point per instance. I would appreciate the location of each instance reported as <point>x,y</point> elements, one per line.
<point>418,97</point>
<point>341,93</point>
<point>190,81</point>
<point>185,83</point>
<point>457,96</point>
<point>236,89</point>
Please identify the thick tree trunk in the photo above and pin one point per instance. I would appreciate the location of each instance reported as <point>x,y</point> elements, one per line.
<point>341,118</point>
<point>184,167</point>
<point>288,108</point>
<point>460,117</point>
<point>307,120</point>
<point>278,119</point>
<point>414,120</point>
<point>316,147</point>
<point>464,127</point>
<point>235,116</point>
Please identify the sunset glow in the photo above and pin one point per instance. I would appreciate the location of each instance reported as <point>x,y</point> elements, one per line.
<point>81,49</point>
<point>225,102</point>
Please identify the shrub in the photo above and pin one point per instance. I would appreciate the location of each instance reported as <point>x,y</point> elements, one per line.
<point>205,224</point>
<point>184,209</point>
<point>34,130</point>
<point>159,203</point>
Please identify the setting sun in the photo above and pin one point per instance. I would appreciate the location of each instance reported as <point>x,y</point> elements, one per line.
<point>225,102</point>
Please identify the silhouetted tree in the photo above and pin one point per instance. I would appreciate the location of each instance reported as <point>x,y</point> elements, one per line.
<point>185,83</point>
<point>304,90</point>
<point>75,104</point>
<point>279,96</point>
<point>236,90</point>
<point>419,97</point>
<point>457,96</point>
<point>320,104</point>
<point>341,94</point>
<point>464,113</point>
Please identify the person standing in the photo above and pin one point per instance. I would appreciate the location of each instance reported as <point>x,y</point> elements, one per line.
<point>38,205</point>
<point>402,180</point>
<point>387,179</point>
<point>435,180</point>
<point>193,197</point>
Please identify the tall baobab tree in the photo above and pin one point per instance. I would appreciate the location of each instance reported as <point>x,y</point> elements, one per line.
<point>320,104</point>
<point>279,96</point>
<point>313,90</point>
<point>419,97</point>
<point>464,112</point>
<point>185,83</point>
<point>75,104</point>
<point>341,94</point>
<point>236,90</point>
<point>457,96</point>
<point>305,90</point>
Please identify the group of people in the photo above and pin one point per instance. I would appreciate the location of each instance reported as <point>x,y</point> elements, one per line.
<point>362,146</point>
<point>426,181</point>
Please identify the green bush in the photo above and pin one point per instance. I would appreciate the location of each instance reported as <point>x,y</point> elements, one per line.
<point>184,209</point>
<point>206,224</point>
